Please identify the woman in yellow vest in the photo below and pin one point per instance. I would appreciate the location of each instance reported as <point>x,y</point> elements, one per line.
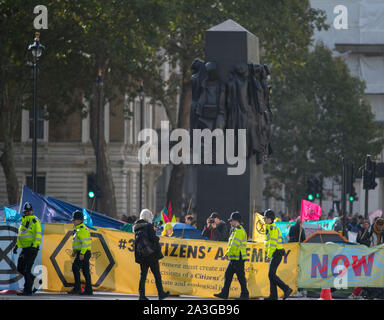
<point>275,252</point>
<point>237,255</point>
<point>28,239</point>
<point>81,247</point>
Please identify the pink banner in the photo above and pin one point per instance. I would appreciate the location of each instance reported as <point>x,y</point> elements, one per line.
<point>374,214</point>
<point>309,211</point>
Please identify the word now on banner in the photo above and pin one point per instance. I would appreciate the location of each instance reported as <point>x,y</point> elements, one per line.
<point>324,265</point>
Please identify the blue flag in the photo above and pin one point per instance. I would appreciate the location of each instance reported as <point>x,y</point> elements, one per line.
<point>88,220</point>
<point>12,215</point>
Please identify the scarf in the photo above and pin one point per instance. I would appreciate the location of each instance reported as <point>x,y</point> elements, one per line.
<point>378,233</point>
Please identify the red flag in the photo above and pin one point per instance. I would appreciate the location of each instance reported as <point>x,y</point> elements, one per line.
<point>309,211</point>
<point>169,211</point>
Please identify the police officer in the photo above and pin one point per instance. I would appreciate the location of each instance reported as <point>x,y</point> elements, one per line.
<point>236,254</point>
<point>275,252</point>
<point>81,246</point>
<point>28,239</point>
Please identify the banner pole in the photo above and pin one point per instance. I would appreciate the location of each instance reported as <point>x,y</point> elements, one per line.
<point>189,207</point>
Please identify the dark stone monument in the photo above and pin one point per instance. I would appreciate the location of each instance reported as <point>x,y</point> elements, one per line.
<point>229,91</point>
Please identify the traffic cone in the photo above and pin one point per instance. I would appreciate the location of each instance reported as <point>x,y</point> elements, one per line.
<point>325,294</point>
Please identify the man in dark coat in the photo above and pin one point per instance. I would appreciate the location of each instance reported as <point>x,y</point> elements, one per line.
<point>294,232</point>
<point>216,229</point>
<point>148,253</point>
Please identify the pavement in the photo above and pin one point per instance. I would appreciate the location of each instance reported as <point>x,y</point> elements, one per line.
<point>102,295</point>
<point>95,296</point>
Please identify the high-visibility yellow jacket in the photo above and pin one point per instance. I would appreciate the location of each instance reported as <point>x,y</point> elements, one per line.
<point>29,234</point>
<point>273,239</point>
<point>81,240</point>
<point>237,244</point>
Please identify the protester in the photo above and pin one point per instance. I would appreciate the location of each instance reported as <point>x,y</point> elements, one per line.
<point>275,253</point>
<point>28,239</point>
<point>370,236</point>
<point>215,229</point>
<point>353,226</point>
<point>285,218</point>
<point>189,219</point>
<point>377,232</point>
<point>296,231</point>
<point>148,253</point>
<point>353,229</point>
<point>168,230</point>
<point>338,226</point>
<point>236,254</point>
<point>364,235</point>
<point>361,221</point>
<point>81,250</point>
<point>194,224</point>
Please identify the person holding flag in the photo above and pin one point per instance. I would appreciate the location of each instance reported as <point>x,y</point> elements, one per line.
<point>275,253</point>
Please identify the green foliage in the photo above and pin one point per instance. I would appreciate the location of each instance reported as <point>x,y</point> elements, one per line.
<point>284,29</point>
<point>321,115</point>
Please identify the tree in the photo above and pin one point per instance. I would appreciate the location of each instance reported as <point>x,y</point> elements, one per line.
<point>282,40</point>
<point>321,116</point>
<point>115,39</point>
<point>15,83</point>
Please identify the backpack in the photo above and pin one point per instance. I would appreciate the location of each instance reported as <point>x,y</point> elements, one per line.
<point>143,247</point>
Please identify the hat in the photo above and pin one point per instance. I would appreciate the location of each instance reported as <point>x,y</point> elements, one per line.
<point>214,215</point>
<point>146,215</point>
<point>167,226</point>
<point>27,207</point>
<point>235,216</point>
<point>269,214</point>
<point>77,215</point>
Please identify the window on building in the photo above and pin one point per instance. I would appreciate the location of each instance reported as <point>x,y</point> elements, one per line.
<point>40,184</point>
<point>40,124</point>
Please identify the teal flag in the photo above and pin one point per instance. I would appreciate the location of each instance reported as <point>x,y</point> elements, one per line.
<point>284,228</point>
<point>12,215</point>
<point>320,225</point>
<point>88,220</point>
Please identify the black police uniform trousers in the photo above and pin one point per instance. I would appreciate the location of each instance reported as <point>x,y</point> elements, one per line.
<point>235,267</point>
<point>155,268</point>
<point>84,266</point>
<point>24,266</point>
<point>274,280</point>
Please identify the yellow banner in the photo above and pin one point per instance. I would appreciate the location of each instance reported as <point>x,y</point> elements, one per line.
<point>258,232</point>
<point>189,267</point>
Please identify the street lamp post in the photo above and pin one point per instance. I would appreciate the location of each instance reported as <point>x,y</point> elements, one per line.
<point>99,81</point>
<point>141,91</point>
<point>36,49</point>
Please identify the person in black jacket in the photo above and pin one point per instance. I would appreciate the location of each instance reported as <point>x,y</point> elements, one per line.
<point>216,229</point>
<point>294,232</point>
<point>148,253</point>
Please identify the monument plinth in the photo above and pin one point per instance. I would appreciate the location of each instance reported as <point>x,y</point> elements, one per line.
<point>229,91</point>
